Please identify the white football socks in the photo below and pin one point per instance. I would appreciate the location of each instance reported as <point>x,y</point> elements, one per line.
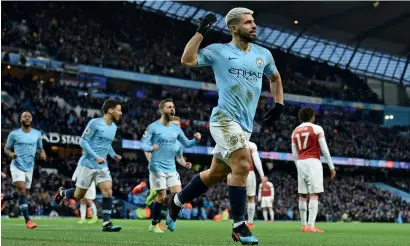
<point>313,207</point>
<point>251,211</point>
<point>303,211</point>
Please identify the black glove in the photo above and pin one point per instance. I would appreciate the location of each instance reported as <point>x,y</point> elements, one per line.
<point>274,113</point>
<point>206,23</point>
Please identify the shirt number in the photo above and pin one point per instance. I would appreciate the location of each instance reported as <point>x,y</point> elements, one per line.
<point>306,135</point>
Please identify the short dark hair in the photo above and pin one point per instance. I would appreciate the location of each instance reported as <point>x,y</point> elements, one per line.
<point>306,114</point>
<point>108,104</point>
<point>162,103</point>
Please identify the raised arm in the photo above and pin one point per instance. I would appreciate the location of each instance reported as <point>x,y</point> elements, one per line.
<point>191,57</point>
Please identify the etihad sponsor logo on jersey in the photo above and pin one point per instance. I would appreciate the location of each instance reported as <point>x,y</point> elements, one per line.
<point>25,145</point>
<point>247,74</point>
<point>164,141</point>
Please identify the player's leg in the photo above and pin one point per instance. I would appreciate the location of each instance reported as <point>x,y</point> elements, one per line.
<point>198,186</point>
<point>151,197</point>
<point>22,180</point>
<point>271,213</point>
<point>240,162</point>
<point>251,192</point>
<point>303,194</point>
<point>8,197</point>
<point>94,218</point>
<point>104,182</point>
<point>85,177</point>
<point>89,197</point>
<point>158,183</point>
<point>315,187</point>
<point>83,211</point>
<point>265,214</point>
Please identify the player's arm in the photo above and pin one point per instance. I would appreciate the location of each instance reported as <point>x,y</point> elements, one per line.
<point>148,155</point>
<point>326,152</point>
<point>295,154</point>
<point>257,160</point>
<point>272,191</point>
<point>146,144</point>
<point>40,148</point>
<point>185,141</point>
<point>191,57</point>
<point>276,88</point>
<point>260,193</point>
<point>181,160</point>
<point>85,139</point>
<point>9,145</point>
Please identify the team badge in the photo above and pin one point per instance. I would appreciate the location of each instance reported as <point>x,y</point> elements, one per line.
<point>175,134</point>
<point>87,131</point>
<point>259,62</point>
<point>233,140</point>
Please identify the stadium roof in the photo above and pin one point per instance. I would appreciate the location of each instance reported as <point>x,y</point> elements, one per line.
<point>385,27</point>
<point>373,41</point>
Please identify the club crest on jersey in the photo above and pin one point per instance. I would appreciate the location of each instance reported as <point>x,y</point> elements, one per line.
<point>259,62</point>
<point>174,134</point>
<point>87,131</point>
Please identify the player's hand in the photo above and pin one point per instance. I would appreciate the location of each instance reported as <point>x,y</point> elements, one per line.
<point>188,165</point>
<point>13,155</point>
<point>100,160</point>
<point>332,174</point>
<point>155,147</point>
<point>197,136</point>
<point>43,156</point>
<point>3,175</point>
<point>274,114</point>
<point>117,158</point>
<point>206,23</point>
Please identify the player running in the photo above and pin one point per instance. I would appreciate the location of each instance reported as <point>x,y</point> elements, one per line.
<point>96,142</point>
<point>266,196</point>
<point>25,142</point>
<point>251,182</point>
<point>153,193</point>
<point>87,200</point>
<point>239,67</point>
<point>161,138</point>
<point>307,141</point>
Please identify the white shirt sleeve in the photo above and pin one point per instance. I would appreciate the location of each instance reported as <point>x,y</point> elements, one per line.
<point>260,192</point>
<point>294,150</point>
<point>325,149</point>
<point>272,191</point>
<point>256,159</point>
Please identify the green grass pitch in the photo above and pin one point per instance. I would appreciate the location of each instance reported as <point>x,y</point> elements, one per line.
<point>135,232</point>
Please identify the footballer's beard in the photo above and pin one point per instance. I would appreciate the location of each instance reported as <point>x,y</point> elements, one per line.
<point>170,116</point>
<point>246,37</point>
<point>26,124</point>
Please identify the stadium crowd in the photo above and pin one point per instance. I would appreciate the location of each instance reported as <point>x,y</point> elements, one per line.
<point>134,41</point>
<point>346,132</point>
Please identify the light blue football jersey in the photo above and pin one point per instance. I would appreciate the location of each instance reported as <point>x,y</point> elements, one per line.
<point>96,141</point>
<point>238,78</point>
<point>167,138</point>
<point>25,146</point>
